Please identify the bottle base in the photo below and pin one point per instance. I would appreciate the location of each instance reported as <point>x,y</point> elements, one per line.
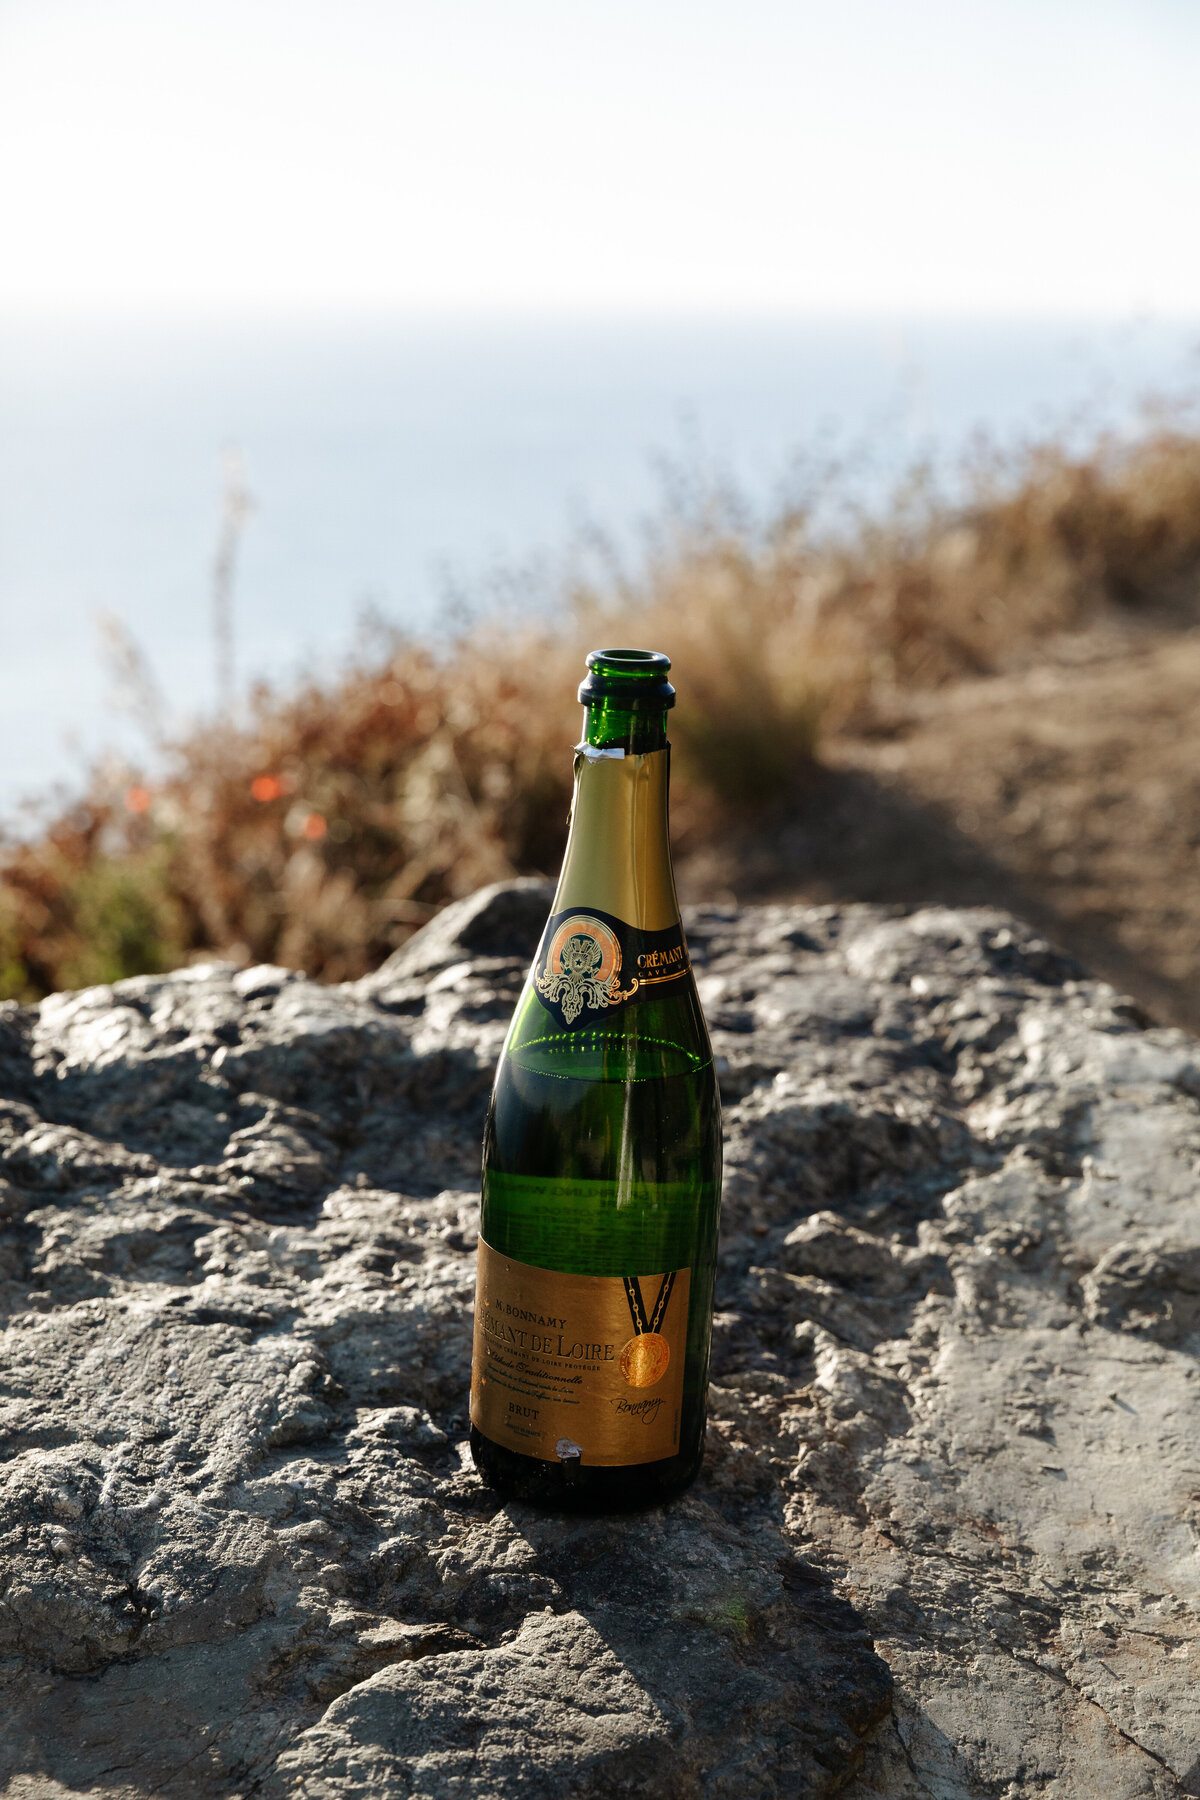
<point>571,1487</point>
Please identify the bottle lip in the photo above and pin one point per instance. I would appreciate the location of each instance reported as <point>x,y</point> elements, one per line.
<point>636,679</point>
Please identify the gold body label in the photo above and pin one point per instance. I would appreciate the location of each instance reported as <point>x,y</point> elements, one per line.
<point>585,1368</point>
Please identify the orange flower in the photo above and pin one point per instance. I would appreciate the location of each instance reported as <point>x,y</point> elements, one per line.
<point>266,787</point>
<point>315,826</point>
<point>137,800</point>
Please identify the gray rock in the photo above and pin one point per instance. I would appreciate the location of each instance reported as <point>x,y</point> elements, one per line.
<point>242,1549</point>
<point>505,919</point>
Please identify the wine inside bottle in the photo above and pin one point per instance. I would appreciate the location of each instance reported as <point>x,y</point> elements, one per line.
<point>602,1154</point>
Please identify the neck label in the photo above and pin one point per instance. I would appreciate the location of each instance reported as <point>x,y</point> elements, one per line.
<point>590,964</point>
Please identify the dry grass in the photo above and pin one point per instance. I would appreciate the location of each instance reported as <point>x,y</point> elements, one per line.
<point>321,831</point>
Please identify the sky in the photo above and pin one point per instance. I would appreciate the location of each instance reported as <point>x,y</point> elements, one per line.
<point>309,156</point>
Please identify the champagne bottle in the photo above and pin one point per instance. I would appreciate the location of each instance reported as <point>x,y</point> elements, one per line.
<point>602,1153</point>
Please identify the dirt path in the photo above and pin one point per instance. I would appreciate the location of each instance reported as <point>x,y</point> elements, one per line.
<point>1069,792</point>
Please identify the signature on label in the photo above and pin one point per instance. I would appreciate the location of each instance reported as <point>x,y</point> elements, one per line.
<point>645,1410</point>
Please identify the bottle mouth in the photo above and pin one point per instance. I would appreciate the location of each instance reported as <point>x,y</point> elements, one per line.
<point>634,680</point>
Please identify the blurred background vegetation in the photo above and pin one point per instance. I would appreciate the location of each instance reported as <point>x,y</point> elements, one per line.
<point>324,825</point>
<point>444,274</point>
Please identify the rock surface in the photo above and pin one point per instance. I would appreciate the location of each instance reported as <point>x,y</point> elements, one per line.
<point>954,1405</point>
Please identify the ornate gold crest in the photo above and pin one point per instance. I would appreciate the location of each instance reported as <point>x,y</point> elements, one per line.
<point>583,967</point>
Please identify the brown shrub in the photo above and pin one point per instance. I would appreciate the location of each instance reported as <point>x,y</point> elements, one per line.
<point>332,822</point>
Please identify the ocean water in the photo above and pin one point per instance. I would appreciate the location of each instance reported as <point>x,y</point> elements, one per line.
<point>394,465</point>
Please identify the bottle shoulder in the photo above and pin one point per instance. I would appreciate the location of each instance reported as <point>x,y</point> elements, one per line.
<point>662,1037</point>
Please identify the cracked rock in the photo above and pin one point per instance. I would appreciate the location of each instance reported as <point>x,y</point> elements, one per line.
<point>946,1536</point>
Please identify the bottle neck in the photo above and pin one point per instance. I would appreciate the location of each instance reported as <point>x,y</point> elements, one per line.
<point>611,723</point>
<point>618,858</point>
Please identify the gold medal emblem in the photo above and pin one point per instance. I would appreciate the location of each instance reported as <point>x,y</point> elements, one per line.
<point>644,1359</point>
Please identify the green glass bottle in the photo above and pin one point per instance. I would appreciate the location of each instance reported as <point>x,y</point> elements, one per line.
<point>602,1155</point>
